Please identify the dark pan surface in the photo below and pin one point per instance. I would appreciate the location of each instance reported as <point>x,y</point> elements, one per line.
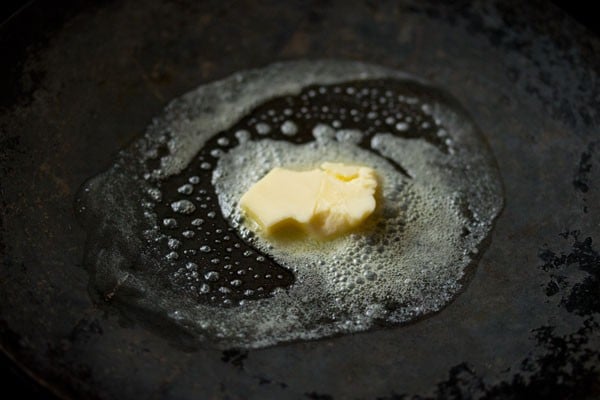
<point>528,323</point>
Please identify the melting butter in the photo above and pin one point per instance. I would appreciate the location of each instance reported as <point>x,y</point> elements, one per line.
<point>322,202</point>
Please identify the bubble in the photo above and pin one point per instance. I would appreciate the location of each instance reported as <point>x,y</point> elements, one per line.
<point>185,189</point>
<point>323,132</point>
<point>170,223</point>
<point>289,128</point>
<point>183,207</point>
<point>190,266</point>
<point>155,194</point>
<point>370,275</point>
<point>262,128</point>
<point>211,276</point>
<point>173,243</point>
<point>242,135</point>
<point>197,221</point>
<point>216,153</point>
<point>401,126</point>
<point>204,288</point>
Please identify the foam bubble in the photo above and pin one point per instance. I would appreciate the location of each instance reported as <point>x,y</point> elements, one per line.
<point>289,128</point>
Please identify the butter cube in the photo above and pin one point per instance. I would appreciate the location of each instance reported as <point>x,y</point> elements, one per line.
<point>321,202</point>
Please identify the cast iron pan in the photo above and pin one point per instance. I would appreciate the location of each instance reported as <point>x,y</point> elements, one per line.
<point>528,323</point>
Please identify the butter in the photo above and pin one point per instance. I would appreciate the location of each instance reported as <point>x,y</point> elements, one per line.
<point>322,202</point>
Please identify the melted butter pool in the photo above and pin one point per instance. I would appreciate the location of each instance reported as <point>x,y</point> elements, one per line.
<point>167,236</point>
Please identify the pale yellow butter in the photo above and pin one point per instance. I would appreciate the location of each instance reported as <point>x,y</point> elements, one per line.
<point>322,202</point>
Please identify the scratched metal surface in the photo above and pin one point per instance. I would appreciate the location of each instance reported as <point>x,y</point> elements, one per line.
<point>528,324</point>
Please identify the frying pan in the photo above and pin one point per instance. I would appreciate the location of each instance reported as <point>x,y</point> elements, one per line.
<point>526,326</point>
